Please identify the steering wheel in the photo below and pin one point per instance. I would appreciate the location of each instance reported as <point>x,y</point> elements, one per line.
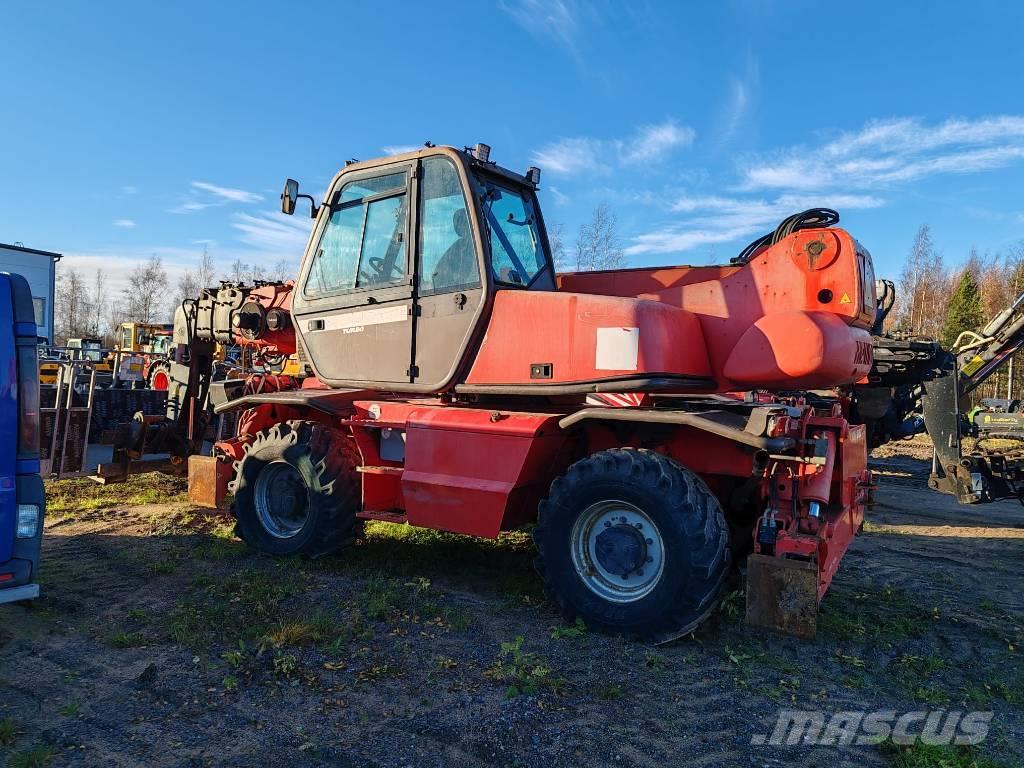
<point>377,264</point>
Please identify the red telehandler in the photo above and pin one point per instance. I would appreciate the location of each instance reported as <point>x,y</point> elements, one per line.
<point>662,427</point>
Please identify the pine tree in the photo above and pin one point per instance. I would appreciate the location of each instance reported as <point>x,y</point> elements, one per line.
<point>964,312</point>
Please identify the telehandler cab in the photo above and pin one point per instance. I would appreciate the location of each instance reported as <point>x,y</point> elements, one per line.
<point>456,382</point>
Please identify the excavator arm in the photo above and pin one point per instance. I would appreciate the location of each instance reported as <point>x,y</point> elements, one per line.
<point>915,385</point>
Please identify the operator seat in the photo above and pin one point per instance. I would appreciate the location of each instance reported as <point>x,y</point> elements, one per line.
<point>457,265</point>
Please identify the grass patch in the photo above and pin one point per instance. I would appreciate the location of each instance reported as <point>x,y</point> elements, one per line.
<point>920,755</point>
<point>380,598</point>
<point>872,614</point>
<point>569,631</point>
<point>1010,690</point>
<point>126,639</point>
<point>32,758</point>
<point>9,731</point>
<point>502,566</point>
<point>524,673</point>
<point>610,692</point>
<point>312,631</point>
<point>68,498</point>
<point>913,673</point>
<point>245,606</point>
<point>655,661</point>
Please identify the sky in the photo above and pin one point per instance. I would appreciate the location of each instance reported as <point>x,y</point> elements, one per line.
<point>131,129</point>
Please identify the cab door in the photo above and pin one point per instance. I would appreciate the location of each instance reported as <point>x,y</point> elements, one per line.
<point>450,295</point>
<point>353,302</point>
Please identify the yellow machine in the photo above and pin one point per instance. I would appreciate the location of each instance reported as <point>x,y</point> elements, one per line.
<point>76,349</point>
<point>147,338</point>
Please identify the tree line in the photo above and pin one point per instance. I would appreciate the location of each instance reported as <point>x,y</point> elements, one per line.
<point>940,302</point>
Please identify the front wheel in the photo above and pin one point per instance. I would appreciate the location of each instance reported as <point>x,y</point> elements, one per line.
<point>296,490</point>
<point>633,543</point>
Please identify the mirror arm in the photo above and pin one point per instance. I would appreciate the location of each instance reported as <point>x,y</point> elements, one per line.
<point>313,207</point>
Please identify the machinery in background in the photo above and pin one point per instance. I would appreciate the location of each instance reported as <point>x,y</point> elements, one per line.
<point>204,331</point>
<point>915,386</point>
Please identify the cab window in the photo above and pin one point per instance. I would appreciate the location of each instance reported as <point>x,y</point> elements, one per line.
<point>867,283</point>
<point>517,256</point>
<point>447,254</point>
<point>364,242</point>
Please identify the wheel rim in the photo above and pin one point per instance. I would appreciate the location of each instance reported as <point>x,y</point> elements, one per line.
<point>281,500</point>
<point>618,551</point>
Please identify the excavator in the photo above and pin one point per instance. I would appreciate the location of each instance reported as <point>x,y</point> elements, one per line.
<point>661,427</point>
<point>917,386</point>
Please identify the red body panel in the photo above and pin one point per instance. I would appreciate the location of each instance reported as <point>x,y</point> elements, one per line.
<point>795,316</point>
<point>586,338</point>
<point>469,474</point>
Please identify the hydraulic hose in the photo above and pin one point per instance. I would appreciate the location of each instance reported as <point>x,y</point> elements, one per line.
<point>812,218</point>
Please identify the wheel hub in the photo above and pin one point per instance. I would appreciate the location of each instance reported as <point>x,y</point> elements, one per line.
<point>620,549</point>
<point>281,500</point>
<point>617,551</point>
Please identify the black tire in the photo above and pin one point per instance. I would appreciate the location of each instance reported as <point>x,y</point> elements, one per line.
<point>323,465</point>
<point>694,553</point>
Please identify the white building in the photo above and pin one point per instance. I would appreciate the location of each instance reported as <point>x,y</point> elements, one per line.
<point>39,268</point>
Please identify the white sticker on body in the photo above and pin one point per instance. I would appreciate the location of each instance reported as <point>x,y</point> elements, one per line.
<point>617,349</point>
<point>355,322</point>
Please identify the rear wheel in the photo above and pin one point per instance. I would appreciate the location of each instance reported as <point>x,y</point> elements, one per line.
<point>296,490</point>
<point>633,543</point>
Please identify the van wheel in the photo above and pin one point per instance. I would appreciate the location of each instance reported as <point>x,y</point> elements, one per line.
<point>633,543</point>
<point>296,491</point>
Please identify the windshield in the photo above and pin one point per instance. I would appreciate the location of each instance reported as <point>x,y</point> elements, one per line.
<point>510,220</point>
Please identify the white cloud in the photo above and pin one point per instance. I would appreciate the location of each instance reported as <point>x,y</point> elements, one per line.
<point>203,195</point>
<point>554,20</point>
<point>124,223</point>
<point>560,197</point>
<point>274,231</point>
<point>118,263</point>
<point>228,194</point>
<point>648,144</point>
<point>399,149</point>
<point>128,189</point>
<point>568,156</point>
<point>712,219</point>
<point>887,152</point>
<point>741,98</point>
<point>654,141</point>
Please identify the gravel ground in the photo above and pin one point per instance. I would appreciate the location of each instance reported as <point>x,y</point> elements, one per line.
<point>161,641</point>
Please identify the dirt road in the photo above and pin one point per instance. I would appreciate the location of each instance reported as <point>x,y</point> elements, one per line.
<point>161,641</point>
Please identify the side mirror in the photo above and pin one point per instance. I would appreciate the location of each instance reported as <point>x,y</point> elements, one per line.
<point>289,196</point>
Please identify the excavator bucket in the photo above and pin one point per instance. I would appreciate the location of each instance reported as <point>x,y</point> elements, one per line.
<point>782,595</point>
